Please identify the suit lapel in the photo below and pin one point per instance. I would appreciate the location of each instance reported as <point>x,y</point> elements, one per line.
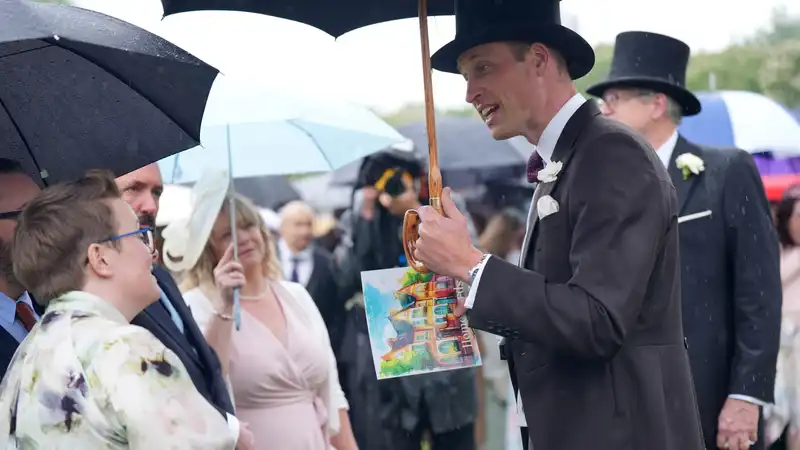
<point>8,345</point>
<point>562,153</point>
<point>159,314</point>
<point>683,187</point>
<point>316,271</point>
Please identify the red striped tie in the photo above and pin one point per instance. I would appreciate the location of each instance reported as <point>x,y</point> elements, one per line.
<point>25,315</point>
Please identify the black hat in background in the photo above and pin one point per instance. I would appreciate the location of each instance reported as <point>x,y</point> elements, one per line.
<point>650,61</point>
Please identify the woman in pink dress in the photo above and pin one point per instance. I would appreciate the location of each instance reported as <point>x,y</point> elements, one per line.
<point>280,366</point>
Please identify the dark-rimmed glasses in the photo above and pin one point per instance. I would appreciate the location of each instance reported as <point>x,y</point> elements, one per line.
<point>145,234</point>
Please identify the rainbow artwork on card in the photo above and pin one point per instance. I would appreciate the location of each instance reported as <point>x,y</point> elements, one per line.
<point>412,324</point>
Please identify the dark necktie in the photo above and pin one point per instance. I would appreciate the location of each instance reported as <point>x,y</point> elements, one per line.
<point>295,276</point>
<point>535,164</point>
<point>25,315</point>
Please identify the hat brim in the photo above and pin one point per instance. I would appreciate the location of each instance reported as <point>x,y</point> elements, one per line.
<point>689,104</point>
<point>185,240</point>
<point>578,54</point>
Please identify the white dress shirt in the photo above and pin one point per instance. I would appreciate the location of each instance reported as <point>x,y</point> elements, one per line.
<point>665,151</point>
<point>304,260</point>
<point>8,315</point>
<point>546,147</point>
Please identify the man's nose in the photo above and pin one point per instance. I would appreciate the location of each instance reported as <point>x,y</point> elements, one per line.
<point>149,205</point>
<point>472,93</point>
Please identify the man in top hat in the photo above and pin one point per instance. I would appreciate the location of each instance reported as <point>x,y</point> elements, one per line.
<point>592,318</point>
<point>731,288</point>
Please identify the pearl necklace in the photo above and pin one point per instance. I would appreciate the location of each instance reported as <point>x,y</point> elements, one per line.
<point>253,297</point>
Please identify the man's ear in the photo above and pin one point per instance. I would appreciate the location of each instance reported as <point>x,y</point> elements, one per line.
<point>660,104</point>
<point>97,260</point>
<point>540,57</point>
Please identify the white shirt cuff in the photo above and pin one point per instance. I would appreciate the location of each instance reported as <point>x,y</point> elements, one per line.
<point>747,398</point>
<point>233,424</point>
<point>473,289</point>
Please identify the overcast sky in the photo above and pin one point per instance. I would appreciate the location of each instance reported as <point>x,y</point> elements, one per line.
<point>379,66</point>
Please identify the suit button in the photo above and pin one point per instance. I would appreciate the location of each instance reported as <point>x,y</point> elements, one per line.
<point>523,353</point>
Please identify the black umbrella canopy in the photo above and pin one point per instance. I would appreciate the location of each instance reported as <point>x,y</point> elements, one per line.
<point>334,18</point>
<point>81,90</point>
<point>468,154</point>
<point>271,192</point>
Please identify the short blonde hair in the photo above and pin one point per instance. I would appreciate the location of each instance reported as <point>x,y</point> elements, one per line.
<point>247,215</point>
<point>55,230</point>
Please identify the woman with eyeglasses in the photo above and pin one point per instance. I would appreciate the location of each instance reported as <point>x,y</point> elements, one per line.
<point>84,377</point>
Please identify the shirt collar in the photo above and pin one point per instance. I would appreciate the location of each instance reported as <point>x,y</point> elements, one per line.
<point>8,306</point>
<point>288,254</point>
<point>665,151</point>
<point>553,130</point>
<point>89,303</point>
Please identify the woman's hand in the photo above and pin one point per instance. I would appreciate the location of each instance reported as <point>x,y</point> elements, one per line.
<point>228,275</point>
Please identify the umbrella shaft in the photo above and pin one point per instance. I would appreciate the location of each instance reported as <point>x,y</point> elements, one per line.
<point>434,174</point>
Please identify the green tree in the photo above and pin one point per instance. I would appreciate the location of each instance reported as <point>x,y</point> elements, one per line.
<point>411,277</point>
<point>602,65</point>
<point>735,68</point>
<point>779,76</point>
<point>395,367</point>
<point>415,112</point>
<point>767,62</point>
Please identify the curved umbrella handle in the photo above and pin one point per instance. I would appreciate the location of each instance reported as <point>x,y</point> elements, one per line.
<point>411,220</point>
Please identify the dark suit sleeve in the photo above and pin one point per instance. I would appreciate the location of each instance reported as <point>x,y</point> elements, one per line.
<point>754,257</point>
<point>620,212</point>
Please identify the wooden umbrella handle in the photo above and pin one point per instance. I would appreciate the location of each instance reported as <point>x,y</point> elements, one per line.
<point>411,219</point>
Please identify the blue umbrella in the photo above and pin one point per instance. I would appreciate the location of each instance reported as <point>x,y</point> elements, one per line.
<point>746,120</point>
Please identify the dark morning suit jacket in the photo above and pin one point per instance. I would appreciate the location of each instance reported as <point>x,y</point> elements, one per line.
<point>324,290</point>
<point>8,344</point>
<point>731,287</point>
<point>594,315</point>
<point>199,358</point>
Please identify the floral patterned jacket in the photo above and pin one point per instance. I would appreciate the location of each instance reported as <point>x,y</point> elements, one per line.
<point>84,378</point>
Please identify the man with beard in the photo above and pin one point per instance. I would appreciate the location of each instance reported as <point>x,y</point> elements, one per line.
<point>169,319</point>
<point>17,313</point>
<point>731,286</point>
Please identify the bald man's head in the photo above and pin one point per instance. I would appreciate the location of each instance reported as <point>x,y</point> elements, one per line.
<point>297,221</point>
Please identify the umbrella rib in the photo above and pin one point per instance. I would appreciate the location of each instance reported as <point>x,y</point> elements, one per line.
<point>310,136</point>
<point>132,87</point>
<point>24,141</point>
<point>27,50</point>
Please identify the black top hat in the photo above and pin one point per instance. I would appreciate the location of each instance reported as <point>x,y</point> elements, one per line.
<point>481,22</point>
<point>650,61</point>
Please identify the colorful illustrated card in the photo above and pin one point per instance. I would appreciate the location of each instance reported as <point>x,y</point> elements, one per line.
<point>412,324</point>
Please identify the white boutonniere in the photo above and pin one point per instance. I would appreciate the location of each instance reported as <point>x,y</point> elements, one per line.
<point>546,206</point>
<point>550,172</point>
<point>689,164</point>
